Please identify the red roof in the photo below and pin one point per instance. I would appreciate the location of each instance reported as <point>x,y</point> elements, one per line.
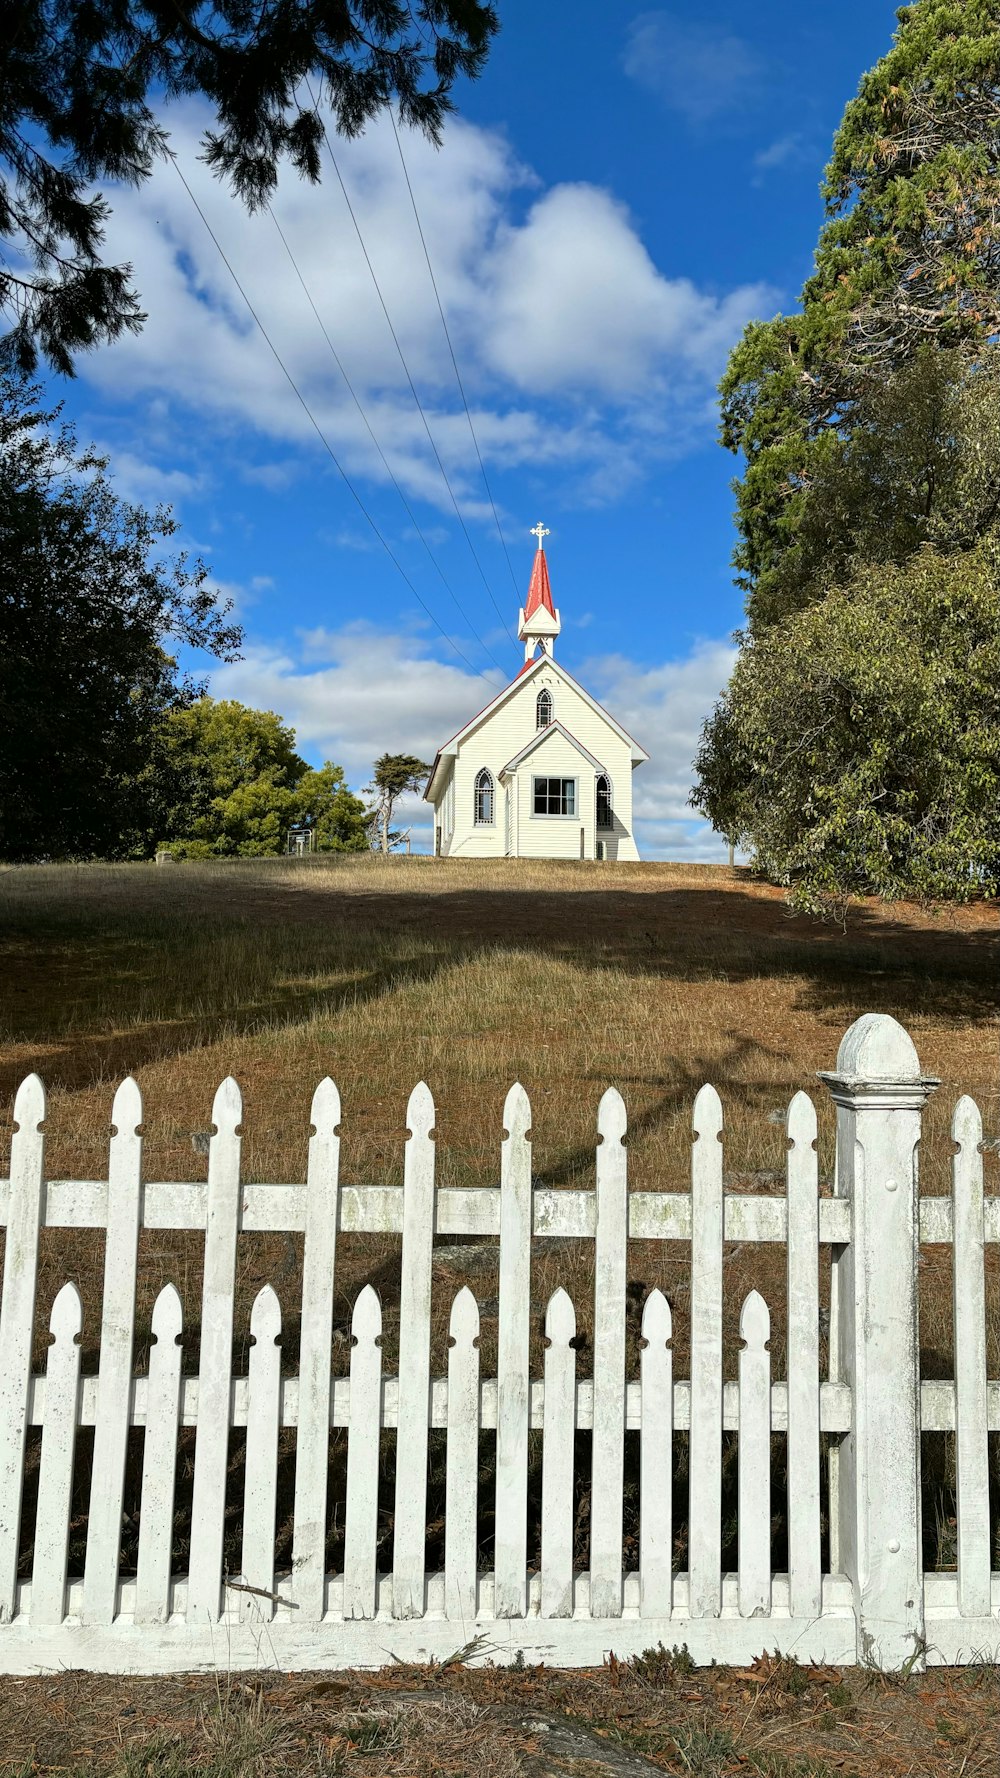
<point>539,592</point>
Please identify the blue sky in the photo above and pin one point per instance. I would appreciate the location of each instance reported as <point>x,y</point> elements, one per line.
<point>623,189</point>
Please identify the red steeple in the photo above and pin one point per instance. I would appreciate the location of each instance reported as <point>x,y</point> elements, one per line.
<point>539,592</point>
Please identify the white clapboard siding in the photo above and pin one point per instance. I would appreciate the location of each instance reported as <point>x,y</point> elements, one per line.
<point>312,1446</point>
<point>511,1537</point>
<point>461,1515</point>
<point>17,1320</point>
<point>656,1467</point>
<point>410,1516</point>
<point>159,1462</point>
<point>215,1364</point>
<point>705,1437</point>
<point>260,1487</point>
<point>361,1523</point>
<point>55,1476</point>
<point>114,1385</point>
<point>558,1457</point>
<point>972,1475</point>
<point>755,1459</point>
<point>609,1361</point>
<point>803,1504</point>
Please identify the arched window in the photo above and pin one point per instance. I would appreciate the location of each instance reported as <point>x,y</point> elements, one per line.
<point>484,799</point>
<point>605,817</point>
<point>543,709</point>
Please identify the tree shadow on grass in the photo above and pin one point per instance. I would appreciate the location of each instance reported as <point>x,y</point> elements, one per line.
<point>695,935</point>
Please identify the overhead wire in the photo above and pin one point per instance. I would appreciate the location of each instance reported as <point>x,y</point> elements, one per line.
<point>319,430</point>
<point>371,433</point>
<point>402,359</point>
<point>451,349</point>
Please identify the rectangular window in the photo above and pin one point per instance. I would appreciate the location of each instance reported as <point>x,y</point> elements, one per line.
<point>555,796</point>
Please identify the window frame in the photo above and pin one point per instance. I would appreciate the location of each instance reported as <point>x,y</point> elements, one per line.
<point>608,825</point>
<point>546,696</point>
<point>555,814</point>
<point>484,781</point>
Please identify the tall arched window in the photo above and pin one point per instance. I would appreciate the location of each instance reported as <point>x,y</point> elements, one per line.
<point>543,709</point>
<point>484,799</point>
<point>605,816</point>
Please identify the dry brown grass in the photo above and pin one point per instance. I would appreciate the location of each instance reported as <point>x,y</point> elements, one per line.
<point>569,977</point>
<point>772,1720</point>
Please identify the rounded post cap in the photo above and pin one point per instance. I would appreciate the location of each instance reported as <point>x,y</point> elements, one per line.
<point>877,1048</point>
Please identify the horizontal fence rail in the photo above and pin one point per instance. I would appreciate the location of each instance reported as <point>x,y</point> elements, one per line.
<point>654,1461</point>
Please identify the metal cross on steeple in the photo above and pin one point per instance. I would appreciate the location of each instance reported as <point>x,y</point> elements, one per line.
<point>540,531</point>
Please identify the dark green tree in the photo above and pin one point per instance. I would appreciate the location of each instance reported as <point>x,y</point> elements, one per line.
<point>394,775</point>
<point>90,608</point>
<point>82,83</point>
<point>857,748</point>
<point>909,257</point>
<point>338,818</point>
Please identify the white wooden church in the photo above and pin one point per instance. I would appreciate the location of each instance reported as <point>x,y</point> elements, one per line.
<point>543,771</point>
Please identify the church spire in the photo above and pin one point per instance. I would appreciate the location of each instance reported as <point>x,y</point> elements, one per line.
<point>538,622</point>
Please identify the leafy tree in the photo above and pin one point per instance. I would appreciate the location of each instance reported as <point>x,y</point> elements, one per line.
<point>89,607</point>
<point>394,775</point>
<point>920,464</point>
<point>338,818</point>
<point>81,78</point>
<point>231,784</point>
<point>857,749</point>
<point>909,256</point>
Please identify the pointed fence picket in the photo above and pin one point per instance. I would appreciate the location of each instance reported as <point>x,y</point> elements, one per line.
<point>17,1319</point>
<point>511,1534</point>
<point>558,1457</point>
<point>260,1497</point>
<point>705,1436</point>
<point>363,1452</point>
<point>312,1453</point>
<point>461,1509</point>
<point>211,1458</point>
<point>159,1462</point>
<point>607,1472</point>
<point>656,1471</point>
<point>168,1615</point>
<point>114,1381</point>
<point>410,1517</point>
<point>55,1471</point>
<point>972,1473</point>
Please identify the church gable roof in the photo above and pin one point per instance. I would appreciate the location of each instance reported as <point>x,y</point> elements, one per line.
<point>518,683</point>
<point>539,738</point>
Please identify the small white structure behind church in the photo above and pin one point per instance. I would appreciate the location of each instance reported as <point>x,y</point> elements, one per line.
<point>544,771</point>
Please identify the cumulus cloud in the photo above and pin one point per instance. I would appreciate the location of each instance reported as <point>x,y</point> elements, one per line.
<point>356,692</point>
<point>579,353</point>
<point>694,67</point>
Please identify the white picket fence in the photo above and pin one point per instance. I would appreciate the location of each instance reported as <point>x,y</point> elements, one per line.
<point>876,1603</point>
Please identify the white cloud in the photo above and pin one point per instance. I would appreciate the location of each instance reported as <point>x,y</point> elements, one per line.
<point>786,151</point>
<point>579,353</point>
<point>694,67</point>
<point>356,692</point>
<point>664,707</point>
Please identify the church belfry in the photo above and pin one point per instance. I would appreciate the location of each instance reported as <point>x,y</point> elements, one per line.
<point>538,623</point>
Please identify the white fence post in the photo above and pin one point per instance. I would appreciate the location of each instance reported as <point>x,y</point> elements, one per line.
<point>879,1092</point>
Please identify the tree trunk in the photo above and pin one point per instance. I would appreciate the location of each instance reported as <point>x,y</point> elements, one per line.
<point>385,827</point>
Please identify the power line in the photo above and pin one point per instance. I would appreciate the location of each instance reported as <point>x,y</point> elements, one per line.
<point>371,433</point>
<point>324,441</point>
<point>402,360</point>
<point>451,349</point>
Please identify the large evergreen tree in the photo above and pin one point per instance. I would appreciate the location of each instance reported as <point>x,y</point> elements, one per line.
<point>909,257</point>
<point>81,86</point>
<point>90,607</point>
<point>856,748</point>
